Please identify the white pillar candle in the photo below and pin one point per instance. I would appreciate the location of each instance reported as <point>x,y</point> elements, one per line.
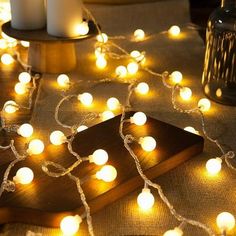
<point>28,14</point>
<point>64,17</point>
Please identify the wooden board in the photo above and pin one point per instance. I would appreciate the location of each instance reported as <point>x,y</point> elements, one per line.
<point>47,200</point>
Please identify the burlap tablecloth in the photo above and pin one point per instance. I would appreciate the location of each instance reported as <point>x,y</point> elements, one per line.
<point>193,193</point>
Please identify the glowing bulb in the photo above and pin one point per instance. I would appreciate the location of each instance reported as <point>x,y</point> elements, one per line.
<point>108,173</point>
<point>204,104</point>
<point>174,232</point>
<point>20,88</point>
<point>70,225</point>
<point>99,157</point>
<point>139,118</point>
<point>82,28</point>
<point>139,35</point>
<point>57,138</point>
<point>225,221</point>
<point>176,77</point>
<point>174,30</point>
<point>10,107</point>
<point>36,147</point>
<point>138,56</point>
<point>82,128</point>
<point>145,199</point>
<point>7,59</point>
<point>132,68</point>
<point>24,176</point>
<point>63,80</point>
<point>113,103</point>
<point>148,143</point>
<point>213,166</point>
<point>101,62</point>
<point>107,115</point>
<point>191,130</point>
<point>102,38</point>
<point>99,52</point>
<point>3,44</point>
<point>185,93</point>
<point>121,71</point>
<point>25,44</point>
<point>142,88</point>
<point>24,77</point>
<point>86,99</point>
<point>25,130</point>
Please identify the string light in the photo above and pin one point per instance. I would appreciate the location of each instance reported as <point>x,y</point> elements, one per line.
<point>24,176</point>
<point>121,71</point>
<point>145,199</point>
<point>7,59</point>
<point>10,107</point>
<point>191,130</point>
<point>25,44</point>
<point>107,115</point>
<point>86,99</point>
<point>25,130</point>
<point>176,77</point>
<point>20,88</point>
<point>3,44</point>
<point>63,80</point>
<point>138,56</point>
<point>139,118</point>
<point>99,52</point>
<point>82,128</point>
<point>185,93</point>
<point>108,173</point>
<point>148,143</point>
<point>204,104</point>
<point>139,35</point>
<point>225,221</point>
<point>24,77</point>
<point>142,88</point>
<point>57,138</point>
<point>113,103</point>
<point>101,62</point>
<point>82,28</point>
<point>36,147</point>
<point>102,38</point>
<point>213,165</point>
<point>174,232</point>
<point>174,30</point>
<point>132,68</point>
<point>70,225</point>
<point>99,157</point>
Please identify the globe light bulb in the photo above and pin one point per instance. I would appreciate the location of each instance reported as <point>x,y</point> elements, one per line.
<point>185,93</point>
<point>191,130</point>
<point>176,77</point>
<point>107,115</point>
<point>132,68</point>
<point>24,176</point>
<point>7,59</point>
<point>213,165</point>
<point>145,199</point>
<point>102,38</point>
<point>10,107</point>
<point>25,44</point>
<point>174,232</point>
<point>138,56</point>
<point>25,130</point>
<point>139,118</point>
<point>86,99</point>
<point>147,143</point>
<point>101,62</point>
<point>36,147</point>
<point>82,128</point>
<point>113,103</point>
<point>99,157</point>
<point>108,173</point>
<point>121,71</point>
<point>82,28</point>
<point>204,104</point>
<point>142,88</point>
<point>3,44</point>
<point>57,138</point>
<point>139,35</point>
<point>174,30</point>
<point>99,52</point>
<point>24,77</point>
<point>70,225</point>
<point>225,221</point>
<point>63,80</point>
<point>20,88</point>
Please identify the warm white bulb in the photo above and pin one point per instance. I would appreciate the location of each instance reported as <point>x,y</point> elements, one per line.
<point>70,225</point>
<point>82,28</point>
<point>176,77</point>
<point>148,143</point>
<point>138,56</point>
<point>121,71</point>
<point>108,173</point>
<point>132,68</point>
<point>101,62</point>
<point>25,44</point>
<point>185,93</point>
<point>145,199</point>
<point>25,130</point>
<point>24,77</point>
<point>99,157</point>
<point>107,115</point>
<point>63,80</point>
<point>204,104</point>
<point>213,165</point>
<point>139,118</point>
<point>3,44</point>
<point>57,138</point>
<point>174,232</point>
<point>102,38</point>
<point>225,221</point>
<point>82,128</point>
<point>99,52</point>
<point>191,130</point>
<point>139,35</point>
<point>174,30</point>
<point>142,88</point>
<point>20,88</point>
<point>10,107</point>
<point>113,103</point>
<point>24,176</point>
<point>36,147</point>
<point>86,99</point>
<point>7,59</point>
